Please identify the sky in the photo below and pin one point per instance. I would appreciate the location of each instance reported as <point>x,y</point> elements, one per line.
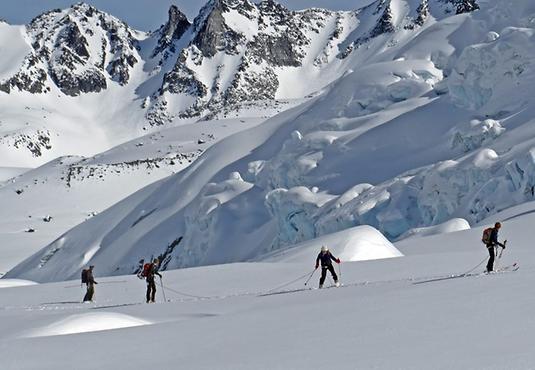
<point>144,15</point>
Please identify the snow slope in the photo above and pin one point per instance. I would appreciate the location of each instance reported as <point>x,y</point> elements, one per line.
<point>62,193</point>
<point>379,319</point>
<point>399,152</point>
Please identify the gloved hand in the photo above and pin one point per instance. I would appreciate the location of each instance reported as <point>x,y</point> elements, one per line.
<point>338,260</point>
<point>317,266</point>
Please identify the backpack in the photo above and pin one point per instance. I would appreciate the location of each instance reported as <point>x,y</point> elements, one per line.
<point>84,276</point>
<point>486,235</point>
<point>147,268</point>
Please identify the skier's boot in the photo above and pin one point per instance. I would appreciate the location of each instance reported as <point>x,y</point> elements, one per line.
<point>321,286</point>
<point>337,283</point>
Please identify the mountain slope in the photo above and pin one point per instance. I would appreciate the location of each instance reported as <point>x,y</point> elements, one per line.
<point>374,155</point>
<point>57,196</point>
<point>80,72</point>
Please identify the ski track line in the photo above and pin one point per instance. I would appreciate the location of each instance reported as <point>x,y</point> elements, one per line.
<point>52,306</point>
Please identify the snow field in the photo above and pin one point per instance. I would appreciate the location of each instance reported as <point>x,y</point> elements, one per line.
<point>379,319</point>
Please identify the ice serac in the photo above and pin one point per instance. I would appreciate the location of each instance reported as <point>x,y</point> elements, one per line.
<point>394,153</point>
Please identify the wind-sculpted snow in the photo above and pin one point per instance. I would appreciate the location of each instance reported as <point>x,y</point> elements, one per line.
<point>391,144</point>
<point>450,226</point>
<point>87,323</point>
<point>360,243</point>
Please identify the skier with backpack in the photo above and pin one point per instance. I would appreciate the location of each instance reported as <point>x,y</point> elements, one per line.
<point>490,239</point>
<point>326,258</point>
<point>89,281</point>
<point>149,272</point>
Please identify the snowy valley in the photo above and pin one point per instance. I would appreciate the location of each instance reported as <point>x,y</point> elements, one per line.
<point>232,147</point>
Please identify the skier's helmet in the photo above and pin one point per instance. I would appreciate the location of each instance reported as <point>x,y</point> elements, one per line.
<point>497,225</point>
<point>324,248</point>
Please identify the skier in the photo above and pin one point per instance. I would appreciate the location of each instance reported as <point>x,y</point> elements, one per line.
<point>152,270</point>
<point>326,259</point>
<point>88,279</point>
<point>490,238</point>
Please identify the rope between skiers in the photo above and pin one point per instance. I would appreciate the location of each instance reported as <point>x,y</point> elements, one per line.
<point>149,270</point>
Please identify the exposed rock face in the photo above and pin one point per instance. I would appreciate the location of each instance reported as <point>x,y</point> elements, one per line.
<point>423,13</point>
<point>32,77</point>
<point>462,6</point>
<point>78,49</point>
<point>35,142</point>
<point>172,31</point>
<point>261,37</point>
<point>213,34</point>
<point>235,52</point>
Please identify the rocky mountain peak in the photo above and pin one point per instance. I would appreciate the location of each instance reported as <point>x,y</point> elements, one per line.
<point>212,32</point>
<point>172,30</point>
<point>78,49</point>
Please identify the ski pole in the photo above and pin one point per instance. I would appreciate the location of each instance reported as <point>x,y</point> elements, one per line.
<point>501,252</point>
<point>310,277</point>
<point>163,290</point>
<point>340,271</point>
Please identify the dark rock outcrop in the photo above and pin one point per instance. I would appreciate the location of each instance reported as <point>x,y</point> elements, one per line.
<point>173,30</point>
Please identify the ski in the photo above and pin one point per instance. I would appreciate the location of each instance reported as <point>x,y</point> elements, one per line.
<point>509,268</point>
<point>288,291</point>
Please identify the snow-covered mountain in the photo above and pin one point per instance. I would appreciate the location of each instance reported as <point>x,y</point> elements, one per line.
<point>415,134</point>
<point>430,122</point>
<point>81,72</point>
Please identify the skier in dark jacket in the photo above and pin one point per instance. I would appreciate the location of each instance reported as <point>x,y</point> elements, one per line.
<point>326,258</point>
<point>90,284</point>
<point>151,284</point>
<point>492,243</point>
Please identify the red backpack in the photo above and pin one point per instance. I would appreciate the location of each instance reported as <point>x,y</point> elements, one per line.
<point>486,235</point>
<point>147,268</point>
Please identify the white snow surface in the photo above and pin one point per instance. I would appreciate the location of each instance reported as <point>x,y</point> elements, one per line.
<point>401,141</point>
<point>378,319</point>
<point>10,283</point>
<point>13,49</point>
<point>450,226</point>
<point>88,322</point>
<point>360,243</point>
<point>73,189</point>
<point>422,135</point>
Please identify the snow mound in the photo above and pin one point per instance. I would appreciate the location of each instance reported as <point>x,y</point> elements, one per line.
<point>85,323</point>
<point>450,226</point>
<point>355,244</point>
<point>12,283</point>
